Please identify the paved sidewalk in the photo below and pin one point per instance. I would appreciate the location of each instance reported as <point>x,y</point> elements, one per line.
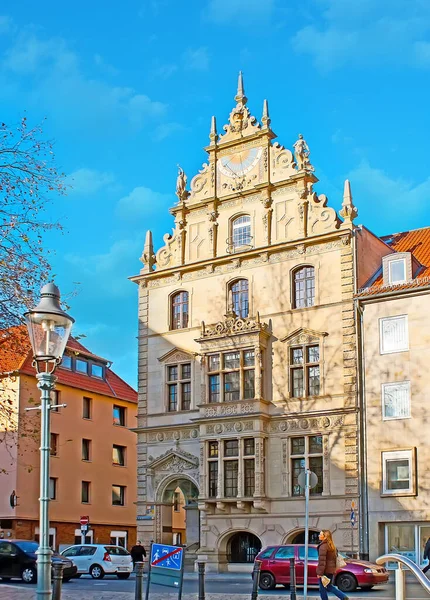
<point>12,593</point>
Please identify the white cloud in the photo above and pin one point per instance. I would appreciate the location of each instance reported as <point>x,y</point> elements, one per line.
<point>142,201</point>
<point>58,82</point>
<point>196,59</point>
<point>366,33</point>
<point>239,12</point>
<point>164,130</point>
<point>89,181</point>
<point>105,67</point>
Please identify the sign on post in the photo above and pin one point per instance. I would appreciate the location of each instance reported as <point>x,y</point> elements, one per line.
<point>85,525</point>
<point>166,567</point>
<point>307,479</point>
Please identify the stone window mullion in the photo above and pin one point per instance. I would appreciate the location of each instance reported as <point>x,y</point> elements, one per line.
<point>241,470</point>
<point>220,491</point>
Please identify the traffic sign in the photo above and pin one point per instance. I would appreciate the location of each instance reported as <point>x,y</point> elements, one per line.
<point>167,557</point>
<point>84,520</point>
<point>352,517</point>
<point>313,479</point>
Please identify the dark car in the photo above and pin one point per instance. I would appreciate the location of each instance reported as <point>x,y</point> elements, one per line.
<point>275,568</point>
<point>18,560</point>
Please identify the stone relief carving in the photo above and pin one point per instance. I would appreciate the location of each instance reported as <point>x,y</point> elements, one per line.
<point>165,436</point>
<point>321,218</point>
<point>233,325</point>
<point>304,424</point>
<point>230,410</point>
<point>303,336</point>
<point>282,162</point>
<point>168,255</point>
<point>202,184</point>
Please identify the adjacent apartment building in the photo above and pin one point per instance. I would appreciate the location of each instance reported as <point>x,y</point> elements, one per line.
<point>247,353</point>
<point>93,451</point>
<point>394,328</point>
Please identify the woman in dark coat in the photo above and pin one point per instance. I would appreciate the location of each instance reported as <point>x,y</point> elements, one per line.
<point>327,555</point>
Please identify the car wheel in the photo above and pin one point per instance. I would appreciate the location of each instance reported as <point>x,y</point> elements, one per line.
<point>97,572</point>
<point>123,575</point>
<point>366,588</point>
<point>346,582</point>
<point>267,581</point>
<point>29,575</point>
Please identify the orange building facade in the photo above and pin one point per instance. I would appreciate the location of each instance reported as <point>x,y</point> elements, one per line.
<point>93,451</point>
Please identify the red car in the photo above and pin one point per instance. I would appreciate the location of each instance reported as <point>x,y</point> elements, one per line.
<point>275,568</point>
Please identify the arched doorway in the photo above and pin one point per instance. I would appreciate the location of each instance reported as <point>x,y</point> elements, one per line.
<point>180,522</point>
<point>298,537</point>
<point>243,547</point>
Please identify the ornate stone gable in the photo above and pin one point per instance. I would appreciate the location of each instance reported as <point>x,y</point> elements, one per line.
<point>174,461</point>
<point>176,355</point>
<point>303,336</point>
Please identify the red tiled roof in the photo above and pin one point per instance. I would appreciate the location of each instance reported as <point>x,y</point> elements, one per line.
<point>15,355</point>
<point>416,241</point>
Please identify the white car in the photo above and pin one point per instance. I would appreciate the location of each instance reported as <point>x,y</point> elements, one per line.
<point>100,559</point>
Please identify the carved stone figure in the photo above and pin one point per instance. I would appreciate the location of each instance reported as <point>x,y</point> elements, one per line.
<point>302,152</point>
<point>181,183</point>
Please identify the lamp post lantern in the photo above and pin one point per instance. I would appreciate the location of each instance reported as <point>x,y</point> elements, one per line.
<point>49,329</point>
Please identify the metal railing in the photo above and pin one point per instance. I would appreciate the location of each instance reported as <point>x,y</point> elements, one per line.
<point>239,244</point>
<point>400,580</point>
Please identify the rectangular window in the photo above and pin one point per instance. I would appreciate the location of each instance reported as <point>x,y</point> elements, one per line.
<point>86,408</point>
<point>81,366</point>
<point>118,455</point>
<point>397,271</point>
<point>66,362</point>
<point>213,479</point>
<point>398,473</point>
<point>85,492</point>
<point>231,376</point>
<point>118,495</point>
<point>55,400</point>
<point>179,387</point>
<point>97,370</point>
<point>305,371</point>
<point>53,488</point>
<point>230,478</point>
<point>119,415</point>
<point>396,401</point>
<point>306,453</point>
<point>54,444</point>
<point>394,335</point>
<point>231,447</point>
<point>249,477</point>
<point>86,449</point>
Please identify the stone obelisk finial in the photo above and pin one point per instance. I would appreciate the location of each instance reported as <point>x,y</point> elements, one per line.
<point>148,256</point>
<point>265,119</point>
<point>348,212</point>
<point>213,136</point>
<point>240,96</point>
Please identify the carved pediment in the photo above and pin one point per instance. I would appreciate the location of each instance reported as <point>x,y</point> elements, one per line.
<point>175,461</point>
<point>176,355</point>
<point>233,325</point>
<point>303,336</point>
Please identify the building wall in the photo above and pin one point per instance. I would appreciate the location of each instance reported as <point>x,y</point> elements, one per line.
<point>410,511</point>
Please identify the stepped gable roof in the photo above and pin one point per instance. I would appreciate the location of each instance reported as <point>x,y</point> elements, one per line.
<point>16,356</point>
<point>415,241</point>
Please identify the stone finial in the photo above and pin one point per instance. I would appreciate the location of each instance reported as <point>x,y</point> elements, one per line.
<point>181,183</point>
<point>265,119</point>
<point>302,153</point>
<point>240,96</point>
<point>348,212</point>
<point>213,136</point>
<point>148,256</point>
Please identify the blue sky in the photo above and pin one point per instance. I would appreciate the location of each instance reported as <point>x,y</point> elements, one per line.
<point>128,90</point>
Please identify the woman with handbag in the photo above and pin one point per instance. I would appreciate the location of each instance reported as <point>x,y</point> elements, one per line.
<point>328,563</point>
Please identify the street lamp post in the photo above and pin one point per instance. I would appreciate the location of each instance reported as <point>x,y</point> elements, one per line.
<point>49,329</point>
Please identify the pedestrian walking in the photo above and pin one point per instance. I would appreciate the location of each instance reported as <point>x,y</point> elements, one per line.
<point>138,552</point>
<point>426,555</point>
<point>327,559</point>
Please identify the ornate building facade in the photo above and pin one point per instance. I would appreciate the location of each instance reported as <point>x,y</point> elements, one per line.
<point>247,352</point>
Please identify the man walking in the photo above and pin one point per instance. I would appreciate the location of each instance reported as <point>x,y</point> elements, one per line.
<point>137,553</point>
<point>426,555</point>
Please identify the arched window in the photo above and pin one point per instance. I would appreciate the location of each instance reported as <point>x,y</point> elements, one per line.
<point>179,310</point>
<point>241,232</point>
<point>304,287</point>
<point>243,547</point>
<point>240,297</point>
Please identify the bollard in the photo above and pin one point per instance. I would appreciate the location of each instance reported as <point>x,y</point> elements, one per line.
<point>139,581</point>
<point>293,595</point>
<point>201,567</point>
<point>58,580</point>
<point>255,579</point>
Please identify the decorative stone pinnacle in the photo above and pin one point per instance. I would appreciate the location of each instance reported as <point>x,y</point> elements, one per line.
<point>213,136</point>
<point>148,256</point>
<point>349,212</point>
<point>240,96</point>
<point>265,119</point>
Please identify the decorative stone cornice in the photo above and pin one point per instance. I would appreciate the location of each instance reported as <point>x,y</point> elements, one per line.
<point>233,325</point>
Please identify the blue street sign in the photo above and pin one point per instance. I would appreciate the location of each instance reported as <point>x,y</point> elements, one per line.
<point>166,557</point>
<point>352,518</point>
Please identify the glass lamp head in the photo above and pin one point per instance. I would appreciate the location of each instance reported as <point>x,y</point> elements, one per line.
<point>48,326</point>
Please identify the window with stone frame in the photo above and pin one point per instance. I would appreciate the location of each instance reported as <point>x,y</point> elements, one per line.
<point>179,310</point>
<point>304,287</point>
<point>231,375</point>
<point>213,453</point>
<point>306,452</point>
<point>249,466</point>
<point>178,379</point>
<point>239,294</point>
<point>399,472</point>
<point>305,370</point>
<point>231,468</point>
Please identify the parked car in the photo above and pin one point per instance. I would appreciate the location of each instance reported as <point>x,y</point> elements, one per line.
<point>100,559</point>
<point>275,569</point>
<point>18,560</point>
